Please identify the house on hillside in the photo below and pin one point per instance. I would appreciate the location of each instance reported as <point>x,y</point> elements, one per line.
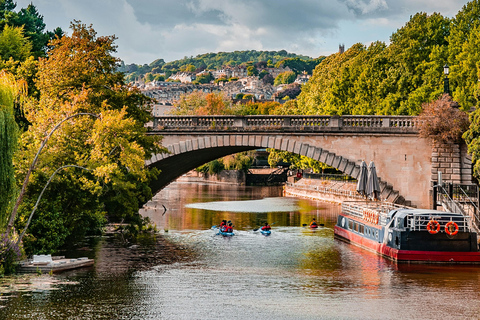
<point>302,78</point>
<point>183,77</point>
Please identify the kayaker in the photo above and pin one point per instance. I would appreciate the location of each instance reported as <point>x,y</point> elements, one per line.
<point>266,227</point>
<point>223,224</point>
<point>229,228</point>
<point>313,223</point>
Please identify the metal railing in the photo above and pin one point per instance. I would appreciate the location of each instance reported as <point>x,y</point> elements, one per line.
<point>461,199</point>
<point>419,222</point>
<point>329,177</point>
<point>382,208</point>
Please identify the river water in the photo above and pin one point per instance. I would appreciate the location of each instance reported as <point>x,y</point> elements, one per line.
<point>295,273</point>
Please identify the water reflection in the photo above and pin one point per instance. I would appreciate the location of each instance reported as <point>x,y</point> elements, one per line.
<point>296,273</point>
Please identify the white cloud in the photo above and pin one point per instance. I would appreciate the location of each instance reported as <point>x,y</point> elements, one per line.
<point>152,29</point>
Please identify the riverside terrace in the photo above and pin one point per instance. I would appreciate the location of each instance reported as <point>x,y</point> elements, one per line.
<point>407,164</point>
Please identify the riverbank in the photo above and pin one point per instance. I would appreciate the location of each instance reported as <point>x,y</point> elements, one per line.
<point>254,177</point>
<point>113,257</point>
<point>324,190</point>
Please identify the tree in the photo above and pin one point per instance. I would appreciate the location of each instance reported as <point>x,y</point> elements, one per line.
<point>148,77</point>
<point>201,103</point>
<point>472,138</point>
<point>285,78</point>
<point>252,71</point>
<point>268,79</point>
<point>262,74</point>
<point>204,78</point>
<point>14,45</point>
<point>296,161</point>
<point>442,121</point>
<point>79,75</point>
<point>10,89</point>
<point>292,91</point>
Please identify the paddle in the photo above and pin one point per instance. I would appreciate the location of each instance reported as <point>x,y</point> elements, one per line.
<point>320,225</point>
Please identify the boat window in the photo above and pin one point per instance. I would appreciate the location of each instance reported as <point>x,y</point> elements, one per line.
<point>355,227</point>
<point>361,229</point>
<point>350,224</point>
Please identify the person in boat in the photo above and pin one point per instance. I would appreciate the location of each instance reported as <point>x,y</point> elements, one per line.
<point>266,227</point>
<point>313,224</point>
<point>229,228</point>
<point>223,225</point>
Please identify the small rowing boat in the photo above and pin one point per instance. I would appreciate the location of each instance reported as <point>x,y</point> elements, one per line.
<point>265,232</point>
<point>225,234</point>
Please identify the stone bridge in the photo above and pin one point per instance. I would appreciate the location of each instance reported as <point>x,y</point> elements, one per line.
<point>406,163</point>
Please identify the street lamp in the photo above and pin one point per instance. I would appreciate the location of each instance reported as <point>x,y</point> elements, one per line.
<point>445,81</point>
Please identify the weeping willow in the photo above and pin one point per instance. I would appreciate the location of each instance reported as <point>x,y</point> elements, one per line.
<point>10,91</point>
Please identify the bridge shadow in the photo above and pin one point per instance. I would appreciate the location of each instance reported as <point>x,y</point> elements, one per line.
<point>176,165</point>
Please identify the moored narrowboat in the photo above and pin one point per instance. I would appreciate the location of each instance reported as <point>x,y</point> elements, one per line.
<point>410,235</point>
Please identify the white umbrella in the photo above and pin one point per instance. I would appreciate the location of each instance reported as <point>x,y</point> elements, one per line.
<point>362,179</point>
<point>373,187</point>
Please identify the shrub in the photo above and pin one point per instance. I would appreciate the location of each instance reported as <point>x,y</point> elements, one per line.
<point>10,253</point>
<point>442,121</point>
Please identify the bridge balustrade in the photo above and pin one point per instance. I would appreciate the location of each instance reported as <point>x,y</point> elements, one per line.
<point>282,123</point>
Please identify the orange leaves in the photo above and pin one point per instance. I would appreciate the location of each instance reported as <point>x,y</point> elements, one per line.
<point>442,121</point>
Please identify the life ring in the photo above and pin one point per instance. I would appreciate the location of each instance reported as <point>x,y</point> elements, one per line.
<point>448,228</point>
<point>376,219</point>
<point>433,226</point>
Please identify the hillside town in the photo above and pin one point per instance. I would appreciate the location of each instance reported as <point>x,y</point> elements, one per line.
<point>233,81</point>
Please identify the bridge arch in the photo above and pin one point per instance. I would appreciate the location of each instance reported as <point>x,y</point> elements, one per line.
<point>190,152</point>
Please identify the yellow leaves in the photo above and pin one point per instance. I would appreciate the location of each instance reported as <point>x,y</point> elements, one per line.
<point>105,172</point>
<point>10,90</point>
<point>113,145</point>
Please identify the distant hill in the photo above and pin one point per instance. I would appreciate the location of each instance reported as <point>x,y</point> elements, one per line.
<point>207,61</point>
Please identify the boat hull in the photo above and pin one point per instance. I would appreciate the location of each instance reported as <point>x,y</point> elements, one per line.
<point>266,232</point>
<point>406,256</point>
<point>226,234</point>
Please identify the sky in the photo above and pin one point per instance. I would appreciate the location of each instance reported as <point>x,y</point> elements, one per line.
<point>173,29</point>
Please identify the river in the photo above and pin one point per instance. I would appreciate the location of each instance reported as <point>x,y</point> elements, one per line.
<point>295,273</point>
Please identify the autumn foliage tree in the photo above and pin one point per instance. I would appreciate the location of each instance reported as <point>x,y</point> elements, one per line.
<point>79,76</point>
<point>442,121</point>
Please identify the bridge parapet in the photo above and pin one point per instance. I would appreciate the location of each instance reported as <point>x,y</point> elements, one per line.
<point>401,124</point>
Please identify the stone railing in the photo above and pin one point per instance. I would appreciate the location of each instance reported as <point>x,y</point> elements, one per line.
<point>286,123</point>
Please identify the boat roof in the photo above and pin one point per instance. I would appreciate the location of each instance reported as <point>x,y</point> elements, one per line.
<point>422,212</point>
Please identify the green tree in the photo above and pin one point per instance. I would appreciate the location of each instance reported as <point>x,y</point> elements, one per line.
<point>285,78</point>
<point>252,71</point>
<point>204,78</point>
<point>14,45</point>
<point>148,77</point>
<point>9,91</point>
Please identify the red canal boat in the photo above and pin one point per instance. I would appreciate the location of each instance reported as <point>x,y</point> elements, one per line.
<point>408,235</point>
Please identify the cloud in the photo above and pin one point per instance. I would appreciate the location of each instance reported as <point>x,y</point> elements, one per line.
<point>152,29</point>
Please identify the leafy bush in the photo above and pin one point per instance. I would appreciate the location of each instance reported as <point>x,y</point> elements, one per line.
<point>442,121</point>
<point>9,254</point>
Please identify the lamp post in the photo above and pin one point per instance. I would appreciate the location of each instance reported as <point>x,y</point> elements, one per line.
<point>446,88</point>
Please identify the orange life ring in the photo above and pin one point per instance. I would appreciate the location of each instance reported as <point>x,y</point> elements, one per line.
<point>376,219</point>
<point>433,226</point>
<point>450,232</point>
